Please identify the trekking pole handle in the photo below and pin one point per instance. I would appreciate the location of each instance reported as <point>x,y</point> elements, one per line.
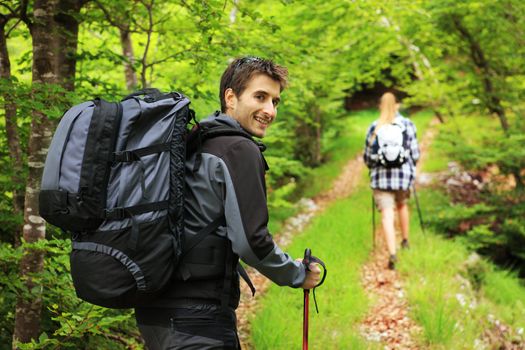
<point>308,259</point>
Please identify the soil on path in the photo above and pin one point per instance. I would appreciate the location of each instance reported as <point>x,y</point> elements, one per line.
<point>388,322</point>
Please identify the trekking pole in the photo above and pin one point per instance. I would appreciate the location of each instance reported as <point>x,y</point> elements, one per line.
<point>307,260</point>
<point>373,223</point>
<point>306,302</point>
<point>418,208</point>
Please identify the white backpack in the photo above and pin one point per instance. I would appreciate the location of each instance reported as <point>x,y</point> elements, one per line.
<point>391,145</point>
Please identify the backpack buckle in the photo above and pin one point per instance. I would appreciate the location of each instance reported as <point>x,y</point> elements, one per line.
<point>125,157</point>
<point>115,213</point>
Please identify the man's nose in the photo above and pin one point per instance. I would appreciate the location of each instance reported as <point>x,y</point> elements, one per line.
<point>269,109</point>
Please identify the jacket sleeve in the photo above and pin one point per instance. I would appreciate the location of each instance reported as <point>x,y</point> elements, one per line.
<point>414,146</point>
<point>367,156</point>
<point>246,216</point>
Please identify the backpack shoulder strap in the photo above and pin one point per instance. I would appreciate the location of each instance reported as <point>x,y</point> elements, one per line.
<point>199,236</point>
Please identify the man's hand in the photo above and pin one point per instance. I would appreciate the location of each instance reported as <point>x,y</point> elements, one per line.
<point>313,277</point>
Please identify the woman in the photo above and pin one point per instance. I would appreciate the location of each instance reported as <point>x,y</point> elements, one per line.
<point>391,153</point>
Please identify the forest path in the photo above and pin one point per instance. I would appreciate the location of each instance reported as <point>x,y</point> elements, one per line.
<point>388,321</point>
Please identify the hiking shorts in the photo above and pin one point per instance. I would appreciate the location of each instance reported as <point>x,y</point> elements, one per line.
<point>203,327</point>
<point>390,199</point>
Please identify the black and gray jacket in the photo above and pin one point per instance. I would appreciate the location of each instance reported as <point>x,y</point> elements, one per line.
<point>229,181</point>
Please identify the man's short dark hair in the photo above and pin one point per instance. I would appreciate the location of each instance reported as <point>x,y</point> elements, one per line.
<point>241,71</point>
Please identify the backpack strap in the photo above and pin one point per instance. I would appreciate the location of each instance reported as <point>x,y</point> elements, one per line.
<point>242,272</point>
<point>136,154</point>
<point>127,212</point>
<point>194,143</point>
<point>196,239</point>
<point>228,276</point>
<point>199,236</point>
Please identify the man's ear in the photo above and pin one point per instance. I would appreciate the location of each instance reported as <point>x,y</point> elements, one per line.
<point>230,99</point>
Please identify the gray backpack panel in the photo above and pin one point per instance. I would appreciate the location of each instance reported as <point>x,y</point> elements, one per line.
<point>114,176</point>
<point>72,129</point>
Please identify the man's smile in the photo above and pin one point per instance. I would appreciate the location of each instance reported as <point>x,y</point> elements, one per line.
<point>263,120</point>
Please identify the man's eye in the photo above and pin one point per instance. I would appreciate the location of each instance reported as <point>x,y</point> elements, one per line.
<point>275,103</point>
<point>259,97</point>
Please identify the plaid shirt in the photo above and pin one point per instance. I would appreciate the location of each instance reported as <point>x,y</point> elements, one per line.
<point>394,178</point>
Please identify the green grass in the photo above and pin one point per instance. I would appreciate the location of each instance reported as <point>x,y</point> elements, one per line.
<point>506,293</point>
<point>429,270</point>
<point>344,245</point>
<point>441,290</point>
<point>422,121</point>
<point>439,160</point>
<point>443,299</point>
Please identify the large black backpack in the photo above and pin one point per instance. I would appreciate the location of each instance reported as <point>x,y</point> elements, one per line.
<point>114,178</point>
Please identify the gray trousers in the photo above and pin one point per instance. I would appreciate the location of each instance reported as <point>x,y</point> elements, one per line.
<point>198,327</point>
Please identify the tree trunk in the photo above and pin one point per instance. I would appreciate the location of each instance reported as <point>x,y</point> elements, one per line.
<point>233,12</point>
<point>28,308</point>
<point>127,50</point>
<point>439,116</point>
<point>67,42</point>
<point>54,32</point>
<point>13,138</point>
<point>308,145</point>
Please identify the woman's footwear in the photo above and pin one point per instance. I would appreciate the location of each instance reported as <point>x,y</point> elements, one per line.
<point>392,262</point>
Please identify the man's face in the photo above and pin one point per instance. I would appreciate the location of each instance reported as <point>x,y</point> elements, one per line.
<point>256,108</point>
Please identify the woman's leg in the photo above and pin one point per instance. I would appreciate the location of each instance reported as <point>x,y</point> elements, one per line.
<point>387,220</point>
<point>404,219</point>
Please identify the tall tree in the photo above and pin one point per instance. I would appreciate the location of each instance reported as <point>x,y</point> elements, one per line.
<point>54,30</point>
<point>10,111</point>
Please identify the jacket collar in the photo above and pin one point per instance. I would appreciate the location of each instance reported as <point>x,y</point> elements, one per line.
<point>221,119</point>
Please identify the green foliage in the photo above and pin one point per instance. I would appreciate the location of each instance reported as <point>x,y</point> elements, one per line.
<point>492,225</point>
<point>342,302</point>
<point>68,322</point>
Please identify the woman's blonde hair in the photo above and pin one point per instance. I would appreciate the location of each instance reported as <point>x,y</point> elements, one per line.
<point>388,110</point>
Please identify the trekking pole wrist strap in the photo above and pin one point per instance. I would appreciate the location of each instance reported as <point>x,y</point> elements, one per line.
<point>307,260</point>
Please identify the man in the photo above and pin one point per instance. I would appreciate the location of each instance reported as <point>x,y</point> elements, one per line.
<point>225,186</point>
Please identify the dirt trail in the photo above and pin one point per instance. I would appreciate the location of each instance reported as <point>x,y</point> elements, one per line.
<point>388,322</point>
<point>342,187</point>
<point>393,322</point>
